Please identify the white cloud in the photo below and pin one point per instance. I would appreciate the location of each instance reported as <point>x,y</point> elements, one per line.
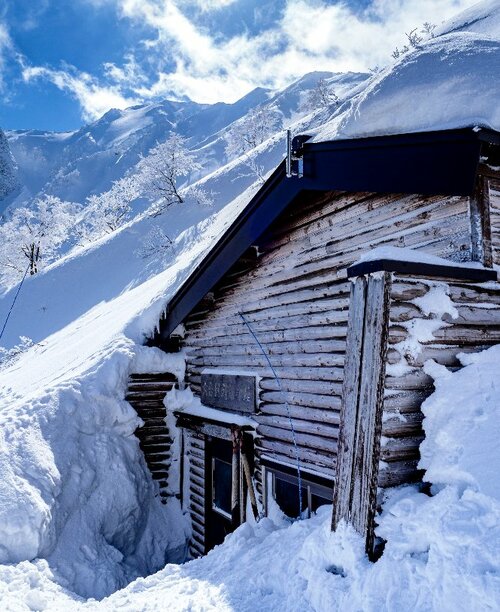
<point>94,98</point>
<point>6,47</point>
<point>311,35</point>
<point>208,67</point>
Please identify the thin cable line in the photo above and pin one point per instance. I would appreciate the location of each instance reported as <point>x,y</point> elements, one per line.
<point>280,387</point>
<point>13,302</point>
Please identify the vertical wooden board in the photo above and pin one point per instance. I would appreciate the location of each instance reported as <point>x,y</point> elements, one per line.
<point>369,414</point>
<point>479,211</point>
<point>350,401</point>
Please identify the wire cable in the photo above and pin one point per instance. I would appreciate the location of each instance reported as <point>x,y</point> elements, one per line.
<point>280,387</point>
<point>14,302</point>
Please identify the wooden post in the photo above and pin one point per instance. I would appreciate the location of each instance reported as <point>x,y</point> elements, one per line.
<point>235,478</point>
<point>479,210</point>
<point>362,404</point>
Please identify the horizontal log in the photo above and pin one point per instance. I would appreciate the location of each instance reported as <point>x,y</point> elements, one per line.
<point>303,374</point>
<point>299,399</point>
<point>306,466</point>
<point>407,402</point>
<point>159,475</point>
<point>406,448</point>
<point>301,412</point>
<point>271,348</point>
<point>313,456</point>
<point>315,442</point>
<point>153,377</point>
<point>321,360</point>
<point>443,355</point>
<point>397,473</point>
<point>417,379</point>
<point>327,429</point>
<point>409,424</point>
<point>315,387</point>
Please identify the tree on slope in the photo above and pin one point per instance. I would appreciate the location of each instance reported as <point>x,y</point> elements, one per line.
<point>106,212</point>
<point>321,96</point>
<point>159,172</point>
<point>32,237</point>
<point>251,131</point>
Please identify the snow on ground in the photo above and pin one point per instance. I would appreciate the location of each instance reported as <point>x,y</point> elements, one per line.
<point>441,551</point>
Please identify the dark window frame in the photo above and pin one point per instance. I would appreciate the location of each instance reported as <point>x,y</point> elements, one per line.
<point>307,481</point>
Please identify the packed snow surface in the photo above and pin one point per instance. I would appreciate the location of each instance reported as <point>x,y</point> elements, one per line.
<point>441,551</point>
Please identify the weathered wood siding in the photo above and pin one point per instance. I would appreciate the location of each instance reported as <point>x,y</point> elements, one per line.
<point>146,393</point>
<point>476,327</point>
<point>296,298</point>
<point>194,449</point>
<point>494,197</point>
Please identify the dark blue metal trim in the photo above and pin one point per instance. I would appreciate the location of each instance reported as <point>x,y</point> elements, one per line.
<point>414,268</point>
<point>440,163</point>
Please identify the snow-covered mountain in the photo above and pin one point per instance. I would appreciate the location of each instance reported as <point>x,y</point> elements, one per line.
<point>8,170</point>
<point>74,165</point>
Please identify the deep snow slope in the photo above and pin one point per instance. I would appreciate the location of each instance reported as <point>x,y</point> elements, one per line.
<point>74,489</point>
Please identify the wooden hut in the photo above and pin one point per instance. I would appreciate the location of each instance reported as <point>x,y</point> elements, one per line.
<point>310,364</point>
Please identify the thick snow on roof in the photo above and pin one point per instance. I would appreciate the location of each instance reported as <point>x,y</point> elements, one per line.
<point>451,81</point>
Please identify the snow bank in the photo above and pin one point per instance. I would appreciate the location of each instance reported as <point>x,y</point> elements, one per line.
<point>74,488</point>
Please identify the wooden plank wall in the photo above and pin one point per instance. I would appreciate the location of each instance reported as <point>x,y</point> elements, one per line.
<point>194,449</point>
<point>476,327</point>
<point>296,299</point>
<point>494,194</point>
<point>146,393</point>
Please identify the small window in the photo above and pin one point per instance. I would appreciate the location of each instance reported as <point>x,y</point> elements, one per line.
<point>285,490</point>
<point>286,494</point>
<point>221,487</point>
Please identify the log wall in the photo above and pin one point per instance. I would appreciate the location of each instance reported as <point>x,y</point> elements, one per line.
<point>494,197</point>
<point>194,450</point>
<point>475,327</point>
<point>146,393</point>
<point>296,298</point>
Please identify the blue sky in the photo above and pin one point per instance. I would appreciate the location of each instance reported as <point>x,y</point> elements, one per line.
<point>65,62</point>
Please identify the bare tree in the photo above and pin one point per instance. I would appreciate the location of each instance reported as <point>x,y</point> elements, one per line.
<point>160,170</point>
<point>106,212</point>
<point>321,96</point>
<point>251,130</point>
<point>33,236</point>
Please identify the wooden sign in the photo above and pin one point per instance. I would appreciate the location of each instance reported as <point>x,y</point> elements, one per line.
<point>232,392</point>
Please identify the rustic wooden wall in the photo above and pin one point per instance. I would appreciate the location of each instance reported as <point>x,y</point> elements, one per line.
<point>296,297</point>
<point>494,197</point>
<point>424,318</point>
<point>477,327</point>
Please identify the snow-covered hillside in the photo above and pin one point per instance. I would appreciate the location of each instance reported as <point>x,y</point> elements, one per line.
<point>8,170</point>
<point>77,510</point>
<point>77,164</point>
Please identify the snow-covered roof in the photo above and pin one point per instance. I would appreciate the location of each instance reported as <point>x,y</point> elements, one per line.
<point>452,81</point>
